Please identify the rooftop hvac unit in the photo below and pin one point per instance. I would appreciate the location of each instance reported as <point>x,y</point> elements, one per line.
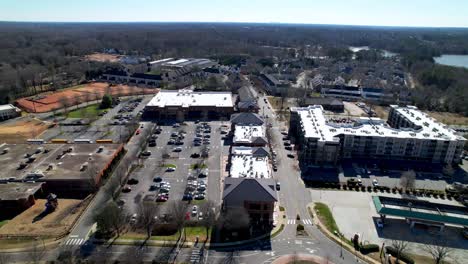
<point>84,166</point>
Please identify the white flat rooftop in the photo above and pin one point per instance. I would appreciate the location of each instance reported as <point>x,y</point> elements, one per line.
<point>428,124</point>
<point>160,61</point>
<point>245,165</point>
<point>187,98</point>
<point>314,125</point>
<point>177,61</point>
<point>7,107</point>
<point>246,134</point>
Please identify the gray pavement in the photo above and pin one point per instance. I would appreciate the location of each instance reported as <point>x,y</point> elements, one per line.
<point>293,196</point>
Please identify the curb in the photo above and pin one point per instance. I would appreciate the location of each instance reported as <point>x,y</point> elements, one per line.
<point>48,245</point>
<point>335,239</point>
<point>275,232</point>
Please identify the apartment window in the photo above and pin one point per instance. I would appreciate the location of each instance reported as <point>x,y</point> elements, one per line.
<point>255,207</point>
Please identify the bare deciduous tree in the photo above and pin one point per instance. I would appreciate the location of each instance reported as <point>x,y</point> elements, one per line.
<point>438,252</point>
<point>147,212</point>
<point>408,179</point>
<point>65,104</point>
<point>178,211</point>
<point>209,211</point>
<point>400,247</point>
<point>111,219</point>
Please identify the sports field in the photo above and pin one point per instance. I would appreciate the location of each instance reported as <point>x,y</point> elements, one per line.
<point>103,57</point>
<point>50,101</point>
<point>21,130</point>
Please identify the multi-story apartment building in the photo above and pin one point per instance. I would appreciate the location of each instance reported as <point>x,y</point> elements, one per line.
<point>409,134</point>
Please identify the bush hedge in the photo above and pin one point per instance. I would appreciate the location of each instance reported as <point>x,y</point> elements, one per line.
<point>369,248</point>
<point>404,257</point>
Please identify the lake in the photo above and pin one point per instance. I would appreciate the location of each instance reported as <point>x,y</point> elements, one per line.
<point>453,60</point>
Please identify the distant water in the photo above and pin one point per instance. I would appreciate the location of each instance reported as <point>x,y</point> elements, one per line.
<point>357,49</point>
<point>453,60</point>
<point>389,54</point>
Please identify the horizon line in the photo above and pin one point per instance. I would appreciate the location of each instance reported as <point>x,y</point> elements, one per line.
<point>232,22</point>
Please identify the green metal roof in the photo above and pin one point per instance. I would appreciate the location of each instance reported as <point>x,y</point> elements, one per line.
<point>381,209</point>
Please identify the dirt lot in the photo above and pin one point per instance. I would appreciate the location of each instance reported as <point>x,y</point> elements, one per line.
<point>381,111</point>
<point>52,225</point>
<point>102,57</point>
<point>24,128</point>
<point>352,109</point>
<point>449,118</point>
<point>50,101</point>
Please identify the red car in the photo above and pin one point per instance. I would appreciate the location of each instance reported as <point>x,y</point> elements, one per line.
<point>138,132</point>
<point>162,198</point>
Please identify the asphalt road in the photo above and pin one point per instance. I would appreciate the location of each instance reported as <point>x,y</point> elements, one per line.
<point>293,196</point>
<point>79,234</point>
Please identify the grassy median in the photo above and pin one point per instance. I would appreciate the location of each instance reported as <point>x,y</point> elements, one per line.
<point>326,217</point>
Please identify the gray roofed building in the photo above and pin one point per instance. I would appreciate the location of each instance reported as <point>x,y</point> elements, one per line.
<point>330,104</point>
<point>260,152</point>
<point>246,119</point>
<point>248,106</point>
<point>247,94</point>
<point>248,189</point>
<point>256,196</point>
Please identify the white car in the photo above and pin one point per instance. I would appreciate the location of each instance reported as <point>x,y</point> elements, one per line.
<point>170,169</point>
<point>194,210</point>
<point>375,182</point>
<point>133,219</point>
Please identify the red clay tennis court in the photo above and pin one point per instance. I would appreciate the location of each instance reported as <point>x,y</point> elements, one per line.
<point>46,102</point>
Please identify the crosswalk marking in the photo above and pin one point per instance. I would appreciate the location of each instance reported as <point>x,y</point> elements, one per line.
<point>291,221</point>
<point>74,241</point>
<point>307,221</point>
<point>195,257</point>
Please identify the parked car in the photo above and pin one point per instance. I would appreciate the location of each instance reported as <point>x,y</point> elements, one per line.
<point>133,219</point>
<point>177,149</point>
<point>195,155</point>
<point>153,187</point>
<point>199,197</point>
<point>162,198</point>
<point>132,181</point>
<point>278,186</point>
<point>126,189</point>
<point>152,143</point>
<point>170,169</point>
<point>291,156</point>
<point>187,197</point>
<point>146,153</point>
<point>288,147</point>
<point>157,179</point>
<point>194,210</point>
<point>375,182</point>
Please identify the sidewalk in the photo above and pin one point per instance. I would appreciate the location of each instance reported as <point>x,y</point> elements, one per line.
<point>159,243</point>
<point>333,237</point>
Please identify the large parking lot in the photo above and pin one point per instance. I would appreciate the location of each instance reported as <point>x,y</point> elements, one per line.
<point>111,125</point>
<point>181,162</point>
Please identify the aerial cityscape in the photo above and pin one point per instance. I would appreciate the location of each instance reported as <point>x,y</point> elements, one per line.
<point>205,133</point>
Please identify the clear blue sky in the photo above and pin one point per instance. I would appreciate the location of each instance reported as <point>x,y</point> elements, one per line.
<point>428,13</point>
